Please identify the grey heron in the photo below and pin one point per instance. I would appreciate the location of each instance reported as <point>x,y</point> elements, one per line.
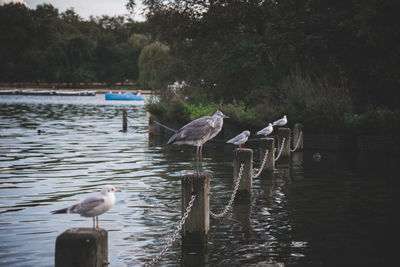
<point>93,206</point>
<point>198,132</point>
<point>266,131</point>
<point>240,139</point>
<point>280,122</point>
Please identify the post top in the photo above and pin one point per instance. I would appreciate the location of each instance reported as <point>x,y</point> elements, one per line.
<point>243,150</point>
<point>84,231</point>
<point>283,129</point>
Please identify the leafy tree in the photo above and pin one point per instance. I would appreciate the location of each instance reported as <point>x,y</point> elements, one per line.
<point>44,45</point>
<point>153,66</point>
<point>242,46</point>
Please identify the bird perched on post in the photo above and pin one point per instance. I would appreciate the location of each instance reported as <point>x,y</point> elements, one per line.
<point>198,132</point>
<point>266,131</point>
<point>93,206</point>
<point>240,139</point>
<point>280,122</point>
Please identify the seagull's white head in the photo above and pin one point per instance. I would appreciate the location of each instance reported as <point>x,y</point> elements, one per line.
<point>246,133</point>
<point>269,124</point>
<point>109,189</point>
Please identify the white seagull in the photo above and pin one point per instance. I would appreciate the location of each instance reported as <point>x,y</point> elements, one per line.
<point>94,205</point>
<point>266,131</point>
<point>240,139</point>
<point>280,122</point>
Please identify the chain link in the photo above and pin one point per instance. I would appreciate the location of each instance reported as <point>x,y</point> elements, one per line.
<point>229,206</point>
<point>298,142</point>
<point>262,165</point>
<point>280,152</point>
<point>175,234</point>
<point>166,127</point>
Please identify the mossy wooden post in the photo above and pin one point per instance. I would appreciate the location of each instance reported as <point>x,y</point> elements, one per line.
<point>83,247</point>
<point>124,121</point>
<point>195,230</point>
<point>284,133</point>
<point>244,155</point>
<point>152,127</point>
<point>298,133</point>
<point>270,161</point>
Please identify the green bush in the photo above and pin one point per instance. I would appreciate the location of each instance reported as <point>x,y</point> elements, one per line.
<point>317,103</point>
<point>380,121</point>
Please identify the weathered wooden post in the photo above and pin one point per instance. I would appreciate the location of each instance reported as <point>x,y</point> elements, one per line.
<point>82,247</point>
<point>284,133</point>
<point>124,121</point>
<point>298,135</point>
<point>152,127</point>
<point>195,230</point>
<point>245,156</point>
<point>270,161</point>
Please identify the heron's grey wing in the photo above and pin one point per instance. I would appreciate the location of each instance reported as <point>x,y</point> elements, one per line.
<point>198,123</point>
<point>194,130</point>
<point>88,204</point>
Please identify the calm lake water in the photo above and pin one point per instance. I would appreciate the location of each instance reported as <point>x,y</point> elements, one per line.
<point>341,211</point>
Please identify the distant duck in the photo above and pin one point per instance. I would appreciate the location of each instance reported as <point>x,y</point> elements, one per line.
<point>317,157</point>
<point>39,132</point>
<point>280,122</point>
<point>240,139</point>
<point>266,131</point>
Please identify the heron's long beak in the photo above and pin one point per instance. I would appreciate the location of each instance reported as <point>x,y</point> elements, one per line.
<point>225,117</point>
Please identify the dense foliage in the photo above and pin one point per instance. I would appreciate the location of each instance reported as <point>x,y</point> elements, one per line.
<point>244,45</point>
<point>327,58</point>
<point>44,45</point>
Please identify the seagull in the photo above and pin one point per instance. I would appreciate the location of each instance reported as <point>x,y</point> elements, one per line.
<point>93,206</point>
<point>280,122</point>
<point>266,131</point>
<point>198,132</point>
<point>240,139</point>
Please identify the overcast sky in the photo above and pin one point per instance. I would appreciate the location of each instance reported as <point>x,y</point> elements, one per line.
<point>84,8</point>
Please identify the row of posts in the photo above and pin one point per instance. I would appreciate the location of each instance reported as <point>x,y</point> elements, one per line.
<point>89,247</point>
<point>195,230</point>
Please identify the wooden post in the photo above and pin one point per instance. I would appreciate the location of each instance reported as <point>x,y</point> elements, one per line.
<point>152,127</point>
<point>298,128</point>
<point>194,256</point>
<point>284,133</point>
<point>195,230</point>
<point>270,145</point>
<point>244,155</point>
<point>82,247</point>
<point>124,121</point>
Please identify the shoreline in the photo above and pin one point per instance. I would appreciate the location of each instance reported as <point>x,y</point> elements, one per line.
<point>97,90</point>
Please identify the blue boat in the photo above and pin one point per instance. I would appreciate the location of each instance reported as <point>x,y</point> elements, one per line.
<point>126,96</point>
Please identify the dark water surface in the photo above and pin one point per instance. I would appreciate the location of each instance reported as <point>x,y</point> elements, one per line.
<point>341,211</point>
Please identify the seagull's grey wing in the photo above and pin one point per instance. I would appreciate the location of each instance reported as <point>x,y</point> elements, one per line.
<point>277,122</point>
<point>236,138</point>
<point>87,204</point>
<point>262,131</point>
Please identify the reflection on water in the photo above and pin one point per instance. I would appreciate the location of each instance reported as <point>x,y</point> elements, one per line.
<point>335,212</point>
